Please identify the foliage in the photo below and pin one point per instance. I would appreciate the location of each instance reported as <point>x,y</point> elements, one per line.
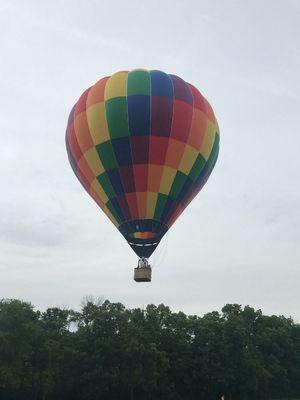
<point>106,351</point>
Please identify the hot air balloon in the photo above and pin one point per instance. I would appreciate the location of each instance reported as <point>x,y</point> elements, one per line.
<point>142,143</point>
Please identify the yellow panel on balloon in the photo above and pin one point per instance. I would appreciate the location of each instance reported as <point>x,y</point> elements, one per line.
<point>116,86</point>
<point>95,196</point>
<point>151,203</point>
<point>167,179</point>
<point>209,139</point>
<point>99,190</point>
<point>97,123</point>
<point>110,216</point>
<point>94,161</point>
<point>187,161</point>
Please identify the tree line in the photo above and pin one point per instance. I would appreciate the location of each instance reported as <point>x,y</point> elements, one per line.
<point>109,352</point>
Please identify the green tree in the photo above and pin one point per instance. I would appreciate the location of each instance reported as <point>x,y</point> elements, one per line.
<point>108,352</point>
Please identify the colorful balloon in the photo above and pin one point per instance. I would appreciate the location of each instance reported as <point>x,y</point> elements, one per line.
<point>143,144</point>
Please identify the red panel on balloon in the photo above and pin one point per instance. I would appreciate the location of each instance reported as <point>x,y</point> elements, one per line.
<point>74,146</point>
<point>140,149</point>
<point>199,102</point>
<point>158,149</point>
<point>85,169</point>
<point>127,178</point>
<point>122,200</point>
<point>182,119</point>
<point>131,200</point>
<point>140,177</point>
<point>81,103</point>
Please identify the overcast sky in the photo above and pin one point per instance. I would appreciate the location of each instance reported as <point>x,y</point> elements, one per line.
<point>238,242</point>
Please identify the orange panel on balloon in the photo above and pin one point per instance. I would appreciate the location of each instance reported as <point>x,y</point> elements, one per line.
<point>209,111</point>
<point>96,94</point>
<point>83,180</point>
<point>198,129</point>
<point>83,135</point>
<point>154,177</point>
<point>144,235</point>
<point>85,169</point>
<point>174,153</point>
<point>96,197</point>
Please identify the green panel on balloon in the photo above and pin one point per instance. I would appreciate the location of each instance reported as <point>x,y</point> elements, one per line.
<point>107,155</point>
<point>179,180</point>
<point>117,117</point>
<point>160,204</point>
<point>111,208</point>
<point>138,83</point>
<point>197,167</point>
<point>214,151</point>
<point>104,181</point>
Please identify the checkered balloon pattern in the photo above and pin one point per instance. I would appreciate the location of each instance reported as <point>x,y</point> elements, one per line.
<point>143,144</point>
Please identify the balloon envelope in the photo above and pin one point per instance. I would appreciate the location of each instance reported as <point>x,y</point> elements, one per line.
<point>143,144</point>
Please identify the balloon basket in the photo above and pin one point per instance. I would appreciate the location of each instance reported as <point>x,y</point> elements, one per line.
<point>142,274</point>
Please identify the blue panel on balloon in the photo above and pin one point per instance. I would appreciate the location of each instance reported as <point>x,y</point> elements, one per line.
<point>161,84</point>
<point>115,180</point>
<point>117,207</point>
<point>167,208</point>
<point>122,150</point>
<point>139,114</point>
<point>184,190</point>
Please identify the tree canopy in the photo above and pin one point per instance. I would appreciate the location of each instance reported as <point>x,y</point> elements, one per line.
<point>109,352</point>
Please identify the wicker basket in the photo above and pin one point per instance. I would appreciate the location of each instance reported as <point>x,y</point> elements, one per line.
<point>142,274</point>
